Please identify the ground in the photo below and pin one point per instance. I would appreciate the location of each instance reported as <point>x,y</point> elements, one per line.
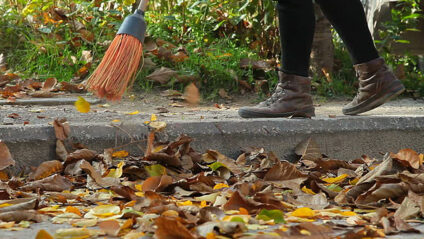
<point>153,102</point>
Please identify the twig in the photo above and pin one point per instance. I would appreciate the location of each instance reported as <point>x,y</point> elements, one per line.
<point>129,135</point>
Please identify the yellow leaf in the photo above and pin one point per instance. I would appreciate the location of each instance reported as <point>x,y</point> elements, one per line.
<point>106,210</point>
<point>347,213</point>
<point>84,222</point>
<point>186,203</point>
<point>336,180</point>
<point>116,173</point>
<point>73,210</point>
<point>134,235</point>
<point>139,194</point>
<point>134,113</point>
<point>139,187</point>
<point>153,118</point>
<point>303,212</point>
<point>203,203</point>
<point>210,235</point>
<point>421,158</point>
<point>77,233</point>
<point>305,232</point>
<point>116,121</point>
<point>307,190</point>
<point>5,205</point>
<point>43,234</point>
<point>220,186</point>
<point>354,181</point>
<point>120,154</point>
<point>158,148</point>
<point>158,125</point>
<point>82,105</point>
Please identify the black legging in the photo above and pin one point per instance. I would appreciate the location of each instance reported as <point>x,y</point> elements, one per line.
<point>297,27</point>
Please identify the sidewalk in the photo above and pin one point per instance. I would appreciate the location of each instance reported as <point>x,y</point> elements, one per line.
<point>396,125</point>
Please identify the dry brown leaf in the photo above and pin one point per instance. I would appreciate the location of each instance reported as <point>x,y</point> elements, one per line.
<point>228,162</point>
<point>191,94</point>
<point>61,129</point>
<point>81,154</point>
<point>110,227</point>
<point>61,151</point>
<point>125,192</point>
<point>408,157</point>
<point>283,171</point>
<point>162,75</point>
<point>102,182</point>
<point>25,215</point>
<point>18,204</point>
<point>46,169</point>
<point>49,84</point>
<point>156,183</point>
<point>170,228</point>
<point>6,159</point>
<point>55,183</point>
<point>308,150</point>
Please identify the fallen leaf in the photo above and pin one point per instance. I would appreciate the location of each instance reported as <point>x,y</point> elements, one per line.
<point>74,233</point>
<point>168,228</point>
<point>49,84</point>
<point>23,215</point>
<point>156,183</point>
<point>54,183</point>
<point>267,215</point>
<point>110,227</point>
<point>46,169</point>
<point>120,154</point>
<point>43,234</point>
<point>303,212</point>
<point>408,156</point>
<point>61,129</point>
<point>283,171</point>
<point>103,182</point>
<point>6,159</point>
<point>162,75</point>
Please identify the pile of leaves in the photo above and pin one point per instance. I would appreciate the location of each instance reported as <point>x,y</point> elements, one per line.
<point>12,87</point>
<point>172,191</point>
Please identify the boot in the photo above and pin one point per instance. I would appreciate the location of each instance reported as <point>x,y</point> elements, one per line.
<point>377,85</point>
<point>292,98</point>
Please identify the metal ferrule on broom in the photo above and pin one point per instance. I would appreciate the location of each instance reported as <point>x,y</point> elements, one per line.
<point>135,25</point>
<point>118,68</point>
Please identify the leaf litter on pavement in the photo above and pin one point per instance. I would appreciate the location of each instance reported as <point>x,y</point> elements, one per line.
<point>173,191</point>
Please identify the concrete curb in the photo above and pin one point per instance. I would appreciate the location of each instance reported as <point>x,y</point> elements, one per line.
<point>48,101</point>
<point>342,138</point>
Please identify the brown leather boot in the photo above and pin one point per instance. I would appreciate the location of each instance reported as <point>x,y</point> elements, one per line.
<point>292,97</point>
<point>377,85</point>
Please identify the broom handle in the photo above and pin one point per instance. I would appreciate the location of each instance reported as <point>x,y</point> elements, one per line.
<point>143,5</point>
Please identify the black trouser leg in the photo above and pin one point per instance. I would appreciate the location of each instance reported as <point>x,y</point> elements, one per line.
<point>349,20</point>
<point>297,26</point>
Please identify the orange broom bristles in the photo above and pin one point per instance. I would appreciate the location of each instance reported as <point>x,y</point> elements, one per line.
<point>117,68</point>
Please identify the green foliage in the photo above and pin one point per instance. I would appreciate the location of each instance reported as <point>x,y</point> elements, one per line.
<point>405,16</point>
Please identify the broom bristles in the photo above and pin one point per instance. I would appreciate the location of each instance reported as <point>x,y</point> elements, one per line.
<point>117,68</point>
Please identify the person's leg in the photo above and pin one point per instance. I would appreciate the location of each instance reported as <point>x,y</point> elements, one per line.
<point>377,84</point>
<point>292,95</point>
<point>349,20</point>
<point>297,26</point>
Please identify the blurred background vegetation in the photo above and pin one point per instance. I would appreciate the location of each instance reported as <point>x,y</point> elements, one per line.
<point>230,45</point>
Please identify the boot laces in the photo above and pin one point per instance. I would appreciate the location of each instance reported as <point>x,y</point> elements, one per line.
<point>279,92</point>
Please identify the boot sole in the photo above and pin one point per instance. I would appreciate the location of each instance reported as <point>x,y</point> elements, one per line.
<point>376,100</point>
<point>305,113</point>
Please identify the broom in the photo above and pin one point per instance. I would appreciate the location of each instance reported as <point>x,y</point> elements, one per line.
<point>119,66</point>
